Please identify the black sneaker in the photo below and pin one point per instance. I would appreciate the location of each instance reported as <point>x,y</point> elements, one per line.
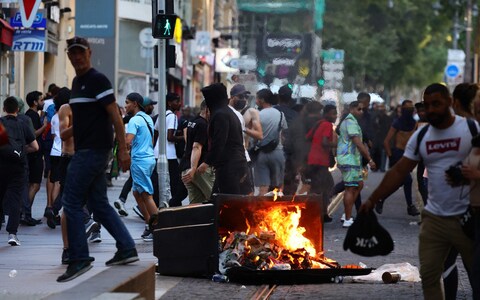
<point>123,257</point>
<point>145,232</point>
<point>74,270</point>
<point>379,207</point>
<point>65,257</point>
<point>412,210</point>
<point>90,227</point>
<point>50,219</point>
<point>327,219</point>
<point>28,222</point>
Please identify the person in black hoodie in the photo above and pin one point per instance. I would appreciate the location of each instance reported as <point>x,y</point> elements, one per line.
<point>226,152</point>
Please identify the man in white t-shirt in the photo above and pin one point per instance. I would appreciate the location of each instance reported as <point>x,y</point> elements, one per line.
<point>177,188</point>
<point>446,142</point>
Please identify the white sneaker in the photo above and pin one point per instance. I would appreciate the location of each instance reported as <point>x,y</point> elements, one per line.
<point>271,194</point>
<point>13,240</point>
<point>347,223</point>
<point>342,219</point>
<point>119,205</point>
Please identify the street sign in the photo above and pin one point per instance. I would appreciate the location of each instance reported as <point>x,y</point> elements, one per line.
<point>203,43</point>
<point>146,38</point>
<point>452,71</point>
<point>28,11</point>
<point>164,26</point>
<point>38,22</point>
<point>331,55</point>
<point>248,63</point>
<point>29,40</point>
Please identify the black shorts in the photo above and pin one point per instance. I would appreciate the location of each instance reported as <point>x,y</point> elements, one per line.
<point>55,168</point>
<point>35,168</point>
<point>64,162</point>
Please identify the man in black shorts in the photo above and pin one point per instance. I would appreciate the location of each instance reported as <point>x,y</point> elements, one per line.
<point>35,160</point>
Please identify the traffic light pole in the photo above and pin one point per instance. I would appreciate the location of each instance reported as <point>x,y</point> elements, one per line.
<point>162,163</point>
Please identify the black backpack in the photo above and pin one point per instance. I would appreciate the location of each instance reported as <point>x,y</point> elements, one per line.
<point>14,151</point>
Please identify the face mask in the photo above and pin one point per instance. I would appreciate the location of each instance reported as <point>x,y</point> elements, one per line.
<point>240,104</point>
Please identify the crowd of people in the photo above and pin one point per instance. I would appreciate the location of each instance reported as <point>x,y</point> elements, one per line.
<point>231,146</point>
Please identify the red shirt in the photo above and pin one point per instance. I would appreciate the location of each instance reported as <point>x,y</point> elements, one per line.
<point>318,154</point>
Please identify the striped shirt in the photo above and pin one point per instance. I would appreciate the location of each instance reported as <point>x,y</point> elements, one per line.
<point>92,128</point>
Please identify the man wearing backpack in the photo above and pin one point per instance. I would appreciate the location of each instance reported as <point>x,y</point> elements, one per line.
<point>140,139</point>
<point>13,165</point>
<point>445,142</point>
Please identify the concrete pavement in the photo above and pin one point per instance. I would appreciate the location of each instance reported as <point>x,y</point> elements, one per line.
<point>37,261</point>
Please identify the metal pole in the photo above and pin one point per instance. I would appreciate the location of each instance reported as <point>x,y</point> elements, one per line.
<point>468,54</point>
<point>162,163</point>
<point>455,29</point>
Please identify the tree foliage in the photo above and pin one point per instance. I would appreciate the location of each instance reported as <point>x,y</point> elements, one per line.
<point>389,46</point>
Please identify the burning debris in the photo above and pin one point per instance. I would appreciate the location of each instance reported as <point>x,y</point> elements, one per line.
<point>277,243</point>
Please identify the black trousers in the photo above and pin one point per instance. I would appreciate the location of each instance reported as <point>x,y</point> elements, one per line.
<point>12,186</point>
<point>232,178</point>
<point>177,188</point>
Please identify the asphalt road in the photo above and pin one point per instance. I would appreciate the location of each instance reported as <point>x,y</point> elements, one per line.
<point>37,260</point>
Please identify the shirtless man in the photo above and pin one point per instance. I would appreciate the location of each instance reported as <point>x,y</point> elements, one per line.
<point>68,149</point>
<point>66,134</point>
<point>253,127</point>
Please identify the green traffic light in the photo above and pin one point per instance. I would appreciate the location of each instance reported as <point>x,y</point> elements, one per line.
<point>164,26</point>
<point>321,82</point>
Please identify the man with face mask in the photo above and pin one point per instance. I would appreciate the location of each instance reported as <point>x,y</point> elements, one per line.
<point>402,129</point>
<point>251,119</point>
<point>238,102</point>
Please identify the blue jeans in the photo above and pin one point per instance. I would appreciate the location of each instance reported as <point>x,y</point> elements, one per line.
<point>86,185</point>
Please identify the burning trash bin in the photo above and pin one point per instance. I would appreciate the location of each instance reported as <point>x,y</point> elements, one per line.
<point>254,240</point>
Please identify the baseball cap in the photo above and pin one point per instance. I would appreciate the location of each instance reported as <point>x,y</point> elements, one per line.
<point>172,97</point>
<point>238,89</point>
<point>137,98</point>
<point>148,101</point>
<point>77,41</point>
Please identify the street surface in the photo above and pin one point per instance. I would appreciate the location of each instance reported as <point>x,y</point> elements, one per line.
<point>37,260</point>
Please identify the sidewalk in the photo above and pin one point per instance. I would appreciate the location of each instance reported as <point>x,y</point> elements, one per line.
<point>37,260</point>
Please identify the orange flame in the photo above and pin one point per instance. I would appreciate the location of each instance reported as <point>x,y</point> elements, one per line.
<point>285,223</point>
<point>275,194</point>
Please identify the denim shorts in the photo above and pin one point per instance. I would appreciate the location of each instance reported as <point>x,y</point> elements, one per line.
<point>141,171</point>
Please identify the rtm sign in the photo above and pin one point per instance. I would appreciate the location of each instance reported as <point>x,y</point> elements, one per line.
<point>29,40</point>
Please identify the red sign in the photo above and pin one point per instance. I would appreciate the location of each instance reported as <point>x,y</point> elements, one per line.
<point>28,11</point>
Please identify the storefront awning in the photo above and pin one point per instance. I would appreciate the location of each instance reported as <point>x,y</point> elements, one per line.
<point>6,33</point>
